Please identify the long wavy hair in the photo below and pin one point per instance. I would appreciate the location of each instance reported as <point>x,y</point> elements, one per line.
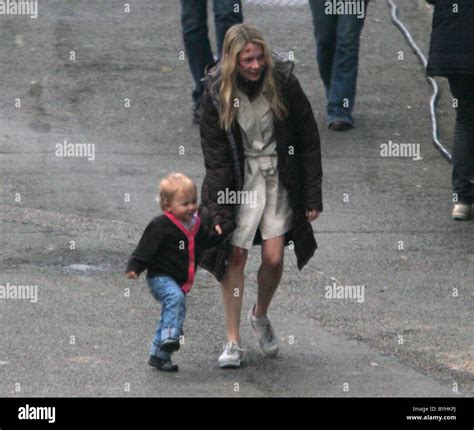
<point>234,42</point>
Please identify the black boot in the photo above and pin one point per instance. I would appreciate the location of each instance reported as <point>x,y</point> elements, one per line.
<point>170,345</point>
<point>197,111</point>
<point>161,364</point>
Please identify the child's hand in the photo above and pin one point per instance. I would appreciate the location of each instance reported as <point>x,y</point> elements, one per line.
<point>218,229</point>
<point>131,275</point>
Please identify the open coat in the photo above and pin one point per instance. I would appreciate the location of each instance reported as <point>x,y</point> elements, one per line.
<point>299,166</point>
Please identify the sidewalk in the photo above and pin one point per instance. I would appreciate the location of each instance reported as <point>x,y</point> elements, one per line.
<point>386,222</point>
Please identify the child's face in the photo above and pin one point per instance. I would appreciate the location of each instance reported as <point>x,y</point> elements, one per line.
<point>184,205</point>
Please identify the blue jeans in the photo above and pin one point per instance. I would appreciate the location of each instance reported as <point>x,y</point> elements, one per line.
<point>337,53</point>
<point>462,88</point>
<point>173,312</point>
<point>195,34</point>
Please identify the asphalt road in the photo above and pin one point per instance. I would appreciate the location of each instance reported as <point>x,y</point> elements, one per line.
<point>68,224</point>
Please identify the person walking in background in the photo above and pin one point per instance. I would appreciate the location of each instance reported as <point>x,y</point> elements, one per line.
<point>452,56</point>
<point>337,28</point>
<point>196,38</point>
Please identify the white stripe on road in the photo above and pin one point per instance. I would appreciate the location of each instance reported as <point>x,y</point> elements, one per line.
<point>277,2</point>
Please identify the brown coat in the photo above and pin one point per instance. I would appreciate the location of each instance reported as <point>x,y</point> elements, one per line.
<point>299,167</point>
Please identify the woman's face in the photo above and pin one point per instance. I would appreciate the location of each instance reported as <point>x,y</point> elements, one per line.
<point>251,62</point>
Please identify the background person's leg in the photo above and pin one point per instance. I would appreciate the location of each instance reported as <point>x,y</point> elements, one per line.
<point>462,88</point>
<point>196,41</point>
<point>226,14</point>
<point>325,27</point>
<point>345,68</point>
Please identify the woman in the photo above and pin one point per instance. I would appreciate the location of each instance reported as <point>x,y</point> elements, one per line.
<point>452,56</point>
<point>263,173</point>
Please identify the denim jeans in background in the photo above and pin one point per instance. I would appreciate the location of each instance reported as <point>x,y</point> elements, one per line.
<point>173,312</point>
<point>337,53</point>
<point>462,88</point>
<point>196,37</point>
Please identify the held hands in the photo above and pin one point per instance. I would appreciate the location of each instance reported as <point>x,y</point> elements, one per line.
<point>312,214</point>
<point>224,228</point>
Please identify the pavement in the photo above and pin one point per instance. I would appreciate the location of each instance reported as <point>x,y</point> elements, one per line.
<point>87,72</point>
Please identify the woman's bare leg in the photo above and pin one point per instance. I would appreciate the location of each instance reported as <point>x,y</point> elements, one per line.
<point>232,291</point>
<point>269,273</point>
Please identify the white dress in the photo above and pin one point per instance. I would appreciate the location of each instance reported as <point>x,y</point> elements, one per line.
<point>264,202</point>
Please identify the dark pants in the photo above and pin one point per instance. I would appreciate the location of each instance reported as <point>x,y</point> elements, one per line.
<point>337,52</point>
<point>195,34</point>
<point>462,88</point>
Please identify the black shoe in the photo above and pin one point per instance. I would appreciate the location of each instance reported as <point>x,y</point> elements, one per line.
<point>197,113</point>
<point>161,364</point>
<point>339,126</point>
<point>170,345</point>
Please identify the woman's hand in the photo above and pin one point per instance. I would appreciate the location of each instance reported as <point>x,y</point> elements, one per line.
<point>131,275</point>
<point>218,229</point>
<point>312,214</point>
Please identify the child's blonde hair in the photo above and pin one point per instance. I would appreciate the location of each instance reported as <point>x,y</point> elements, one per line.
<point>172,184</point>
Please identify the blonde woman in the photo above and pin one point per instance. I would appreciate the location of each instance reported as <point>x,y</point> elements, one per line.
<point>263,171</point>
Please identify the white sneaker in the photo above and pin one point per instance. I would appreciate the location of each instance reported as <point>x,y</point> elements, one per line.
<point>461,211</point>
<point>231,356</point>
<point>264,333</point>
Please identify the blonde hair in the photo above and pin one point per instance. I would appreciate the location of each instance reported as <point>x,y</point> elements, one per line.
<point>172,184</point>
<point>234,42</point>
